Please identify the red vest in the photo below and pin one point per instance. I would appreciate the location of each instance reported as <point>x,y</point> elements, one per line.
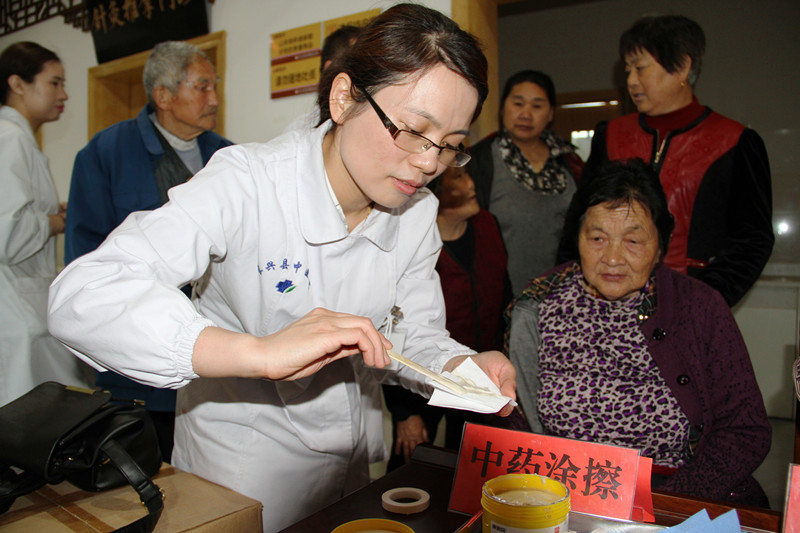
<point>685,159</point>
<point>474,299</point>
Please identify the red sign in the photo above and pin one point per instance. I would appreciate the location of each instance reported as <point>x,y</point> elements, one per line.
<point>643,499</point>
<point>602,479</point>
<point>791,515</point>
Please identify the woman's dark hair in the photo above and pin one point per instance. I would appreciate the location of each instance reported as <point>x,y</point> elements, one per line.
<point>406,39</point>
<point>26,60</point>
<point>436,185</point>
<point>337,43</point>
<point>670,39</point>
<point>618,183</point>
<point>534,76</point>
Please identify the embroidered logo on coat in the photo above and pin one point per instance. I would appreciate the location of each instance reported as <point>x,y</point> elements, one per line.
<point>287,285</point>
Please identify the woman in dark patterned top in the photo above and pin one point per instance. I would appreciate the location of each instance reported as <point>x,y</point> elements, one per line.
<point>525,175</point>
<point>617,348</point>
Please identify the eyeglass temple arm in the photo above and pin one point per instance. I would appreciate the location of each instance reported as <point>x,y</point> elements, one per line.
<point>387,123</point>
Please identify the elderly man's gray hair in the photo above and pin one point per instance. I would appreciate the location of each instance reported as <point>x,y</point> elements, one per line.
<point>167,65</point>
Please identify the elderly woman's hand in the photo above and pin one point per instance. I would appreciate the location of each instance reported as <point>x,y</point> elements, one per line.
<point>499,369</point>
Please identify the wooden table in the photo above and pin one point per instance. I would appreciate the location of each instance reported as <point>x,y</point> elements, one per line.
<point>670,509</point>
<point>432,469</point>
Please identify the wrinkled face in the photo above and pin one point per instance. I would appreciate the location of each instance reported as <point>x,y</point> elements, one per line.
<point>458,192</point>
<point>618,249</point>
<point>194,105</point>
<point>439,105</point>
<point>43,99</point>
<point>526,112</point>
<point>653,90</point>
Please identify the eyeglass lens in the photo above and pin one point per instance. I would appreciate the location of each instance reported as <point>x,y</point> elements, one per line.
<point>415,143</point>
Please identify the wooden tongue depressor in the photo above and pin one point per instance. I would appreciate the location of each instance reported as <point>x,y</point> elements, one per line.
<point>449,383</point>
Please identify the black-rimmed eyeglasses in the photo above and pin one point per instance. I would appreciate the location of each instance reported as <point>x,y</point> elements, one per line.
<point>416,144</point>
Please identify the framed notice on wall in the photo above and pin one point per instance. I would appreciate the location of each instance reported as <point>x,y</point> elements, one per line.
<point>295,54</point>
<point>122,27</point>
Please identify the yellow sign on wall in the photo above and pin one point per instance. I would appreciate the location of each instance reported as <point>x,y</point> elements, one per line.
<point>357,19</point>
<point>295,60</point>
<point>295,53</point>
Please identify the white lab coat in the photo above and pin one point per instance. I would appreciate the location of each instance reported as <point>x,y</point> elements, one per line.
<point>371,392</point>
<point>258,225</point>
<point>28,354</point>
<point>305,121</point>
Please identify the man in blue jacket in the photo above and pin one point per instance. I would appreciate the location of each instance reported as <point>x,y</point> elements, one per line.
<point>131,165</point>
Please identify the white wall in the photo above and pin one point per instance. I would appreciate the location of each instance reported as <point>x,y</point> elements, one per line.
<point>250,113</point>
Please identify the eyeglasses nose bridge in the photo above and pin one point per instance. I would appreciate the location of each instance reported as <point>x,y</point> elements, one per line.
<point>427,160</point>
<point>428,144</point>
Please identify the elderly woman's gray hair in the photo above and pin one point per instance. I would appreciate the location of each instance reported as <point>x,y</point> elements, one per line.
<point>167,65</point>
<point>617,183</point>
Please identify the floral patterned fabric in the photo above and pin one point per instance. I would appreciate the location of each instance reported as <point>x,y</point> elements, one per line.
<point>552,179</point>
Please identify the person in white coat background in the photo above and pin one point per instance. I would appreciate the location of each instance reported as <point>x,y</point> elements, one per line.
<point>31,93</point>
<point>299,249</point>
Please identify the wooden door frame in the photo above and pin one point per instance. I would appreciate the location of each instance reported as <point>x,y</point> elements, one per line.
<point>479,17</point>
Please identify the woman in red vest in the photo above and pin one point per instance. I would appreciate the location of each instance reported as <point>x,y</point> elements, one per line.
<point>714,170</point>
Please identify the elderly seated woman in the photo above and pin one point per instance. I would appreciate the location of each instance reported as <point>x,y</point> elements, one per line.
<point>616,348</point>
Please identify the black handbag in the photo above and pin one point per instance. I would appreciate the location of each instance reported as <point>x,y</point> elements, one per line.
<point>55,433</point>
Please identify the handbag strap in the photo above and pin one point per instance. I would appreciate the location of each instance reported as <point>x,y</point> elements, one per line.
<point>15,484</point>
<point>149,494</point>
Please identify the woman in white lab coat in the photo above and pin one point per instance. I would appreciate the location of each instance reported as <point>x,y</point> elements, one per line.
<point>32,93</point>
<point>300,248</point>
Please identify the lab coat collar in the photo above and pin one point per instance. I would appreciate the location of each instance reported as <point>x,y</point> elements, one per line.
<point>12,115</point>
<point>320,221</point>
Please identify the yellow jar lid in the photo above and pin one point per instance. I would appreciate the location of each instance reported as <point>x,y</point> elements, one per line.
<point>373,525</point>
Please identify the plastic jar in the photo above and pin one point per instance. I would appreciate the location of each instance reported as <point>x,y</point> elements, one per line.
<point>525,503</point>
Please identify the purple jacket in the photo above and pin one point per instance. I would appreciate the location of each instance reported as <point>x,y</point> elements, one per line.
<point>697,345</point>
